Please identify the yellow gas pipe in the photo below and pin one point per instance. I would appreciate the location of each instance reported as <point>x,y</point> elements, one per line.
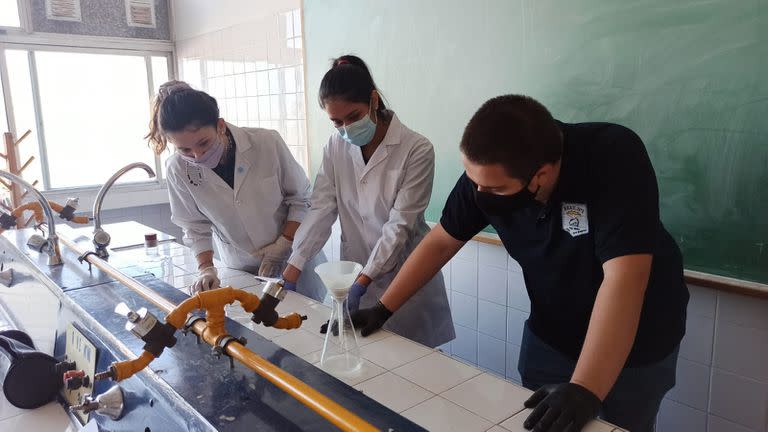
<point>37,212</point>
<point>213,330</point>
<point>313,399</point>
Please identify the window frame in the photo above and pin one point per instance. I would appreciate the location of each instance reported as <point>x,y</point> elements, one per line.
<point>25,19</point>
<point>138,193</point>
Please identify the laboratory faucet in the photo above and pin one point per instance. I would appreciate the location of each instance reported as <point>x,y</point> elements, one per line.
<point>51,244</point>
<point>101,238</point>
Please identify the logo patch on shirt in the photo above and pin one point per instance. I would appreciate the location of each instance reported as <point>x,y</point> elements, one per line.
<point>575,220</point>
<point>194,174</point>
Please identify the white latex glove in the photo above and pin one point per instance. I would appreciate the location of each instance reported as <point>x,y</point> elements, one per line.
<point>273,257</point>
<point>208,279</point>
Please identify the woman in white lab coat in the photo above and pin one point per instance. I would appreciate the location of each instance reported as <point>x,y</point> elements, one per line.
<point>376,177</point>
<point>237,188</point>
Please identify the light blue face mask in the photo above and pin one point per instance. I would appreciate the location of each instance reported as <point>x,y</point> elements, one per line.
<point>360,132</point>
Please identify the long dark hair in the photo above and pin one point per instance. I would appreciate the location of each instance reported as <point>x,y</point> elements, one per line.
<point>350,80</point>
<point>177,107</point>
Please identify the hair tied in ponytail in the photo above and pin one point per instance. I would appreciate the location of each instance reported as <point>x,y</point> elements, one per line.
<point>170,87</point>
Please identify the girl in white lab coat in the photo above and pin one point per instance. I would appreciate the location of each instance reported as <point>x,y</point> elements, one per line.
<point>237,188</point>
<point>376,177</point>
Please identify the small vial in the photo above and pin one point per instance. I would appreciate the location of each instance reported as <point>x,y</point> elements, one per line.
<point>150,244</point>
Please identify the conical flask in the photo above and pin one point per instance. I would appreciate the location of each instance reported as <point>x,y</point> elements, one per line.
<point>341,354</point>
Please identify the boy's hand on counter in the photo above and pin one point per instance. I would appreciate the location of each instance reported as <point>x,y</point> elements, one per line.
<point>561,407</point>
<point>371,319</point>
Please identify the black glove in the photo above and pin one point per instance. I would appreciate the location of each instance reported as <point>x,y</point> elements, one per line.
<point>366,320</point>
<point>334,328</point>
<point>371,319</point>
<point>563,407</point>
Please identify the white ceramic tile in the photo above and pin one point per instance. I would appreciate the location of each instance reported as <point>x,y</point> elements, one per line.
<point>489,397</point>
<point>133,212</point>
<point>367,371</point>
<point>173,249</point>
<point>492,284</point>
<point>316,317</point>
<point>394,392</point>
<point>184,281</point>
<point>49,418</point>
<point>299,342</point>
<point>313,357</point>
<point>676,417</point>
<point>513,265</point>
<point>468,252</point>
<point>446,270</point>
<point>236,312</point>
<point>268,333</point>
<point>717,424</point>
<point>492,255</point>
<point>465,344</point>
<point>497,429</point>
<point>743,310</point>
<point>517,296</point>
<point>703,301</point>
<point>515,424</point>
<point>464,277</point>
<point>515,324</point>
<point>492,354</point>
<point>371,338</point>
<point>731,342</point>
<point>150,212</point>
<point>697,343</point>
<point>738,399</point>
<point>226,272</point>
<point>241,281</point>
<point>184,270</point>
<point>438,414</point>
<point>692,384</point>
<point>393,352</point>
<point>464,310</point>
<point>513,355</point>
<point>445,348</point>
<point>492,319</point>
<point>436,372</point>
<point>293,301</point>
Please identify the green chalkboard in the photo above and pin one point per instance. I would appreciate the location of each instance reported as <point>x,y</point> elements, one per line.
<point>690,77</point>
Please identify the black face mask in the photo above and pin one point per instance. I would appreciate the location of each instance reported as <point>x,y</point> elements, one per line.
<point>505,205</point>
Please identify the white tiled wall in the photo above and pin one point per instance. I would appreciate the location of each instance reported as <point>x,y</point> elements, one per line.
<point>255,71</point>
<point>723,369</point>
<point>489,305</point>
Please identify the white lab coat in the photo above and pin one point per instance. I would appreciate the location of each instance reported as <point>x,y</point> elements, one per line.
<point>380,206</point>
<point>270,188</point>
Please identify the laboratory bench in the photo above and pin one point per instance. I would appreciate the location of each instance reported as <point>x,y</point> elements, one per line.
<point>401,385</point>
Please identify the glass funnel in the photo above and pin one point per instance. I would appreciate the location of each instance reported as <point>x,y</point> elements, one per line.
<point>341,354</point>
